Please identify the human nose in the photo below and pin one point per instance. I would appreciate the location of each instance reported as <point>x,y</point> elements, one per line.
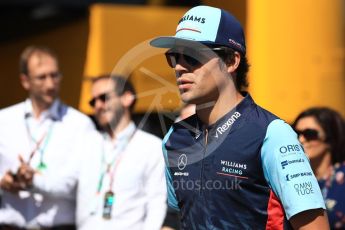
<point>181,66</point>
<point>50,82</point>
<point>179,70</point>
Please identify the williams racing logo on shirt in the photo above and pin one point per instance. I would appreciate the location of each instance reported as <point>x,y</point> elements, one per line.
<point>223,128</point>
<point>231,168</point>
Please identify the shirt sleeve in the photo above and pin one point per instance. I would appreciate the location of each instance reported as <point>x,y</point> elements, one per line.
<point>172,200</point>
<point>155,188</point>
<point>287,170</point>
<point>57,185</point>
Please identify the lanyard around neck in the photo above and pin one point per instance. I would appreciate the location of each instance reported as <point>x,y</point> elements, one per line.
<point>43,141</point>
<point>112,164</point>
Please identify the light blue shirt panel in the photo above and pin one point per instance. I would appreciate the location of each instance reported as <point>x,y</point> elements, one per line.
<point>287,170</point>
<point>172,200</point>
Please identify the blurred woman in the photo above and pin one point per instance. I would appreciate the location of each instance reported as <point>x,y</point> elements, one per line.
<point>322,134</point>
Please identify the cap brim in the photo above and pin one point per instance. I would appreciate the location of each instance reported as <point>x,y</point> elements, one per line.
<point>170,42</point>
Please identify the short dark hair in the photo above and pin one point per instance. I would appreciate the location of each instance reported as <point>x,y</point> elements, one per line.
<point>334,127</point>
<point>31,50</point>
<point>240,79</point>
<point>122,84</point>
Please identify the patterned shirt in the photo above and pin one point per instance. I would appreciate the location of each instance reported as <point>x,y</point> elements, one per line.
<point>333,189</point>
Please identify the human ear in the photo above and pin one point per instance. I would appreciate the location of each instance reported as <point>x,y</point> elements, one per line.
<point>127,99</point>
<point>232,67</point>
<point>24,80</point>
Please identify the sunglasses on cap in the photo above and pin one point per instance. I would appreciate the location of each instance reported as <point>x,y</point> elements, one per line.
<point>102,97</point>
<point>195,57</point>
<point>308,134</point>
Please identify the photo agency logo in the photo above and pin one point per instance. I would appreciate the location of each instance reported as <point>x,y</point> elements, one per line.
<point>207,185</point>
<point>137,63</point>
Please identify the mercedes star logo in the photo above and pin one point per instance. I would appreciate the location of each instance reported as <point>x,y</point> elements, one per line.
<point>182,162</point>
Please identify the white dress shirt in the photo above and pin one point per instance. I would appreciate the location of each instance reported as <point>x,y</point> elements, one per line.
<point>139,181</point>
<point>59,128</point>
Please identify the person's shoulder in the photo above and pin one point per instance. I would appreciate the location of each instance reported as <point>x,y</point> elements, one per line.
<point>149,145</point>
<point>89,140</point>
<point>12,110</point>
<point>146,136</point>
<point>147,142</point>
<point>92,137</point>
<point>74,112</point>
<point>279,124</point>
<point>279,128</point>
<point>75,116</point>
<point>185,127</point>
<point>340,168</point>
<point>186,123</point>
<point>261,115</point>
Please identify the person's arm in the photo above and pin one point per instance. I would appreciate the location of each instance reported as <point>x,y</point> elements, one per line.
<point>288,172</point>
<point>27,178</point>
<point>155,189</point>
<point>315,219</point>
<point>58,185</point>
<point>8,183</point>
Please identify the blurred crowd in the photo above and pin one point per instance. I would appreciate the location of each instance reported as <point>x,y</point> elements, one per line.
<point>58,172</point>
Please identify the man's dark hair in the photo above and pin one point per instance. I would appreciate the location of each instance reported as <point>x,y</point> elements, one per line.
<point>30,51</point>
<point>334,127</point>
<point>240,79</point>
<point>122,85</point>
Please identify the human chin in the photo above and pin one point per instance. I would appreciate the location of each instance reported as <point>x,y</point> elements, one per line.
<point>186,95</point>
<point>315,150</point>
<point>48,99</point>
<point>185,98</point>
<point>102,120</point>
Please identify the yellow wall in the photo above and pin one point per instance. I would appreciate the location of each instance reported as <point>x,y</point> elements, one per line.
<point>118,43</point>
<point>297,52</point>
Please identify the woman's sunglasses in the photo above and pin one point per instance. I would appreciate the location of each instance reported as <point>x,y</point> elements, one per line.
<point>308,134</point>
<point>194,57</point>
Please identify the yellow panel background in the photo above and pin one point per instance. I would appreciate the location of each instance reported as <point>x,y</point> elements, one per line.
<point>297,53</point>
<point>115,30</point>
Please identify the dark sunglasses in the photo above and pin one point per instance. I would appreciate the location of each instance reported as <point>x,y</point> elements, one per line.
<point>194,57</point>
<point>308,134</point>
<point>102,97</point>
